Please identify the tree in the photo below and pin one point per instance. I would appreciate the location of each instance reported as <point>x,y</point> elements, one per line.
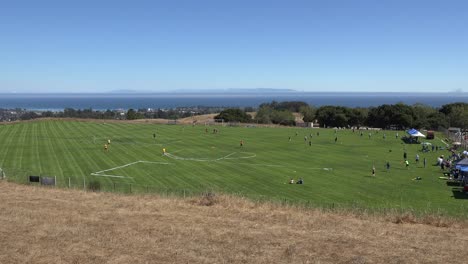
<point>358,116</point>
<point>456,114</point>
<point>263,115</point>
<point>308,113</point>
<point>132,114</point>
<point>48,114</point>
<point>334,116</point>
<point>283,117</point>
<point>437,120</point>
<point>28,115</point>
<point>292,106</point>
<point>234,115</point>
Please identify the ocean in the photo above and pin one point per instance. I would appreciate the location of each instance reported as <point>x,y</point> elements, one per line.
<point>103,101</point>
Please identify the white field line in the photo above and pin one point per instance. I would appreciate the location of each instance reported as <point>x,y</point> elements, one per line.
<point>123,166</point>
<point>180,158</point>
<point>112,176</point>
<point>99,173</point>
<point>167,143</point>
<point>253,155</point>
<point>207,159</point>
<point>225,156</point>
<point>280,166</point>
<point>444,143</point>
<point>259,164</point>
<point>154,162</point>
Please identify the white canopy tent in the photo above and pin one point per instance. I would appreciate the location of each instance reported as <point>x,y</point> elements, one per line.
<point>414,133</point>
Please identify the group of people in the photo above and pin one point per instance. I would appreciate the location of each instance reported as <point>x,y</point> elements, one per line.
<point>215,130</point>
<point>299,181</point>
<point>107,145</point>
<point>444,163</point>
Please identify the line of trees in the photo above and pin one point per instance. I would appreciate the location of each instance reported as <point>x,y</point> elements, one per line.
<point>130,114</point>
<point>388,116</point>
<point>395,116</point>
<point>267,113</point>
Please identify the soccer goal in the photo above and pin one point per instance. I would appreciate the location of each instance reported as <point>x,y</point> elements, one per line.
<point>210,122</point>
<point>220,121</point>
<point>233,124</point>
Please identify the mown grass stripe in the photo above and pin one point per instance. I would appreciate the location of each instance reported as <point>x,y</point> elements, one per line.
<point>67,148</point>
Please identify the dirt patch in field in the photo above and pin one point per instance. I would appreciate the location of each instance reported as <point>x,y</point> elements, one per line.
<point>40,225</point>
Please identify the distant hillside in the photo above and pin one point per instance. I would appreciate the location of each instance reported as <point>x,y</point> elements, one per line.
<point>209,91</point>
<point>40,225</point>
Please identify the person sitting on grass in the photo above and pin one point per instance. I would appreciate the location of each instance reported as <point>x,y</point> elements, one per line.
<point>300,181</point>
<point>291,181</point>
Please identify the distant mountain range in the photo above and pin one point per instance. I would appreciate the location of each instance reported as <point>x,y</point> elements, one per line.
<point>236,92</point>
<point>202,91</point>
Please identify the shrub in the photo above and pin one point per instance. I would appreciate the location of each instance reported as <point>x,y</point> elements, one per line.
<point>94,186</point>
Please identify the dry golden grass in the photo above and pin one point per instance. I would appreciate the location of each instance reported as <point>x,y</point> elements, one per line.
<point>40,225</point>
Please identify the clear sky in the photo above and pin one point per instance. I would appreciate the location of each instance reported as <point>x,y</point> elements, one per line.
<point>310,45</point>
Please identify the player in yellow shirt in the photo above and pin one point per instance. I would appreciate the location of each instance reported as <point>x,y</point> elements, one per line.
<point>106,147</point>
<point>164,151</point>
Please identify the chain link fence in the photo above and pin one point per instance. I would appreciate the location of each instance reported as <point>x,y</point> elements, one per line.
<point>95,184</point>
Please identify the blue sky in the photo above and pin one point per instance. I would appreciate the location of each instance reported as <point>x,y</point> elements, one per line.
<point>327,45</point>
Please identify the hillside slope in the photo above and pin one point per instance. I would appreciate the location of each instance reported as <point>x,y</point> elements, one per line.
<point>40,225</point>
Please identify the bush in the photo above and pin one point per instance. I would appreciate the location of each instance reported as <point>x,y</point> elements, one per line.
<point>94,186</point>
<point>208,199</point>
<point>234,115</point>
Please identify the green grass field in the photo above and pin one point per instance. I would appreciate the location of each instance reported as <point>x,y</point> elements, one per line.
<point>334,173</point>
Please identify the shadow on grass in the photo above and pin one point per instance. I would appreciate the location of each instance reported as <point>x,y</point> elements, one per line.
<point>453,183</point>
<point>458,194</point>
<point>410,140</point>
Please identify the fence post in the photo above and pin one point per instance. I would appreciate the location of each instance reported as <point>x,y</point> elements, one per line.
<point>113,187</point>
<point>69,183</point>
<point>84,183</point>
<point>55,182</point>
